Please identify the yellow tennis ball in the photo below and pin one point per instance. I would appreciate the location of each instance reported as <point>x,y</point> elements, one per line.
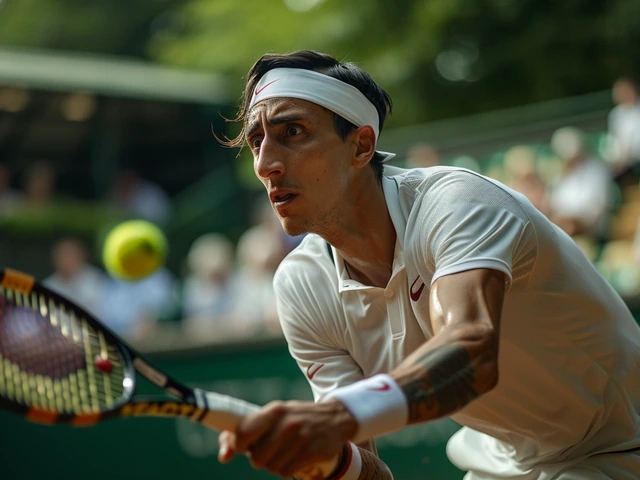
<point>134,249</point>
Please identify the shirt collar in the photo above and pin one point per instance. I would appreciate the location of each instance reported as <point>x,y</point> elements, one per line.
<point>390,187</point>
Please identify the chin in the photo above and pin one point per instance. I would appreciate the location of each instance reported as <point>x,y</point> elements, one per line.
<point>292,227</point>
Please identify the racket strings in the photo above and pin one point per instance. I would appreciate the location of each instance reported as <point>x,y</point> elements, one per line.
<point>48,357</point>
<point>49,352</point>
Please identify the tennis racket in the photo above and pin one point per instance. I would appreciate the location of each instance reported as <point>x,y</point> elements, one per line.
<point>60,365</point>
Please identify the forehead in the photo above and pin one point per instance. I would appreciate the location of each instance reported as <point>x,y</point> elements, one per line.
<point>286,107</point>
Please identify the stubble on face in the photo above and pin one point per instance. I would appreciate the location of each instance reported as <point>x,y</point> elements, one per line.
<point>324,223</point>
<point>312,167</point>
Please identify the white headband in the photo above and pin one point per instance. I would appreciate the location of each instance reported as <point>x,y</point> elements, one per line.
<point>331,93</point>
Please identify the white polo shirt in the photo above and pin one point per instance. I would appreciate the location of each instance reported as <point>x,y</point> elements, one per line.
<point>569,356</point>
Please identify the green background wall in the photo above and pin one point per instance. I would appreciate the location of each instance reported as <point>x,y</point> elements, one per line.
<point>157,448</point>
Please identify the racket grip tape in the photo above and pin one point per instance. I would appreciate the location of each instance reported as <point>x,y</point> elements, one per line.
<point>225,412</point>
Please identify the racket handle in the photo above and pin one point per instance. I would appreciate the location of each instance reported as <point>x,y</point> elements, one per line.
<point>225,413</point>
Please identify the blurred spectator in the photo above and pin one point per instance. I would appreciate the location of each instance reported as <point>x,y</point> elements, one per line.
<point>580,201</point>
<point>624,131</point>
<point>74,277</point>
<point>422,155</point>
<point>39,183</point>
<point>132,309</point>
<point>464,161</point>
<point>617,262</point>
<point>141,198</point>
<point>206,290</point>
<point>267,221</point>
<point>259,254</point>
<point>522,175</point>
<point>222,302</point>
<point>9,198</point>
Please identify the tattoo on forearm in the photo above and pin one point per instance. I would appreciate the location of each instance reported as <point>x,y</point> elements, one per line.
<point>373,468</point>
<point>445,385</point>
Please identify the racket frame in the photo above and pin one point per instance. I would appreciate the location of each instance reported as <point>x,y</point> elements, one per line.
<point>190,402</point>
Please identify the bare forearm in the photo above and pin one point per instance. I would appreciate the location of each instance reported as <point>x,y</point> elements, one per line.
<point>372,468</point>
<point>447,373</point>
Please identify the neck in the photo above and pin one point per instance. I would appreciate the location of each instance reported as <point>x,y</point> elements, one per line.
<point>364,235</point>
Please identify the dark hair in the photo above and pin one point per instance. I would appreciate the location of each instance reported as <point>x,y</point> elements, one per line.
<point>322,63</point>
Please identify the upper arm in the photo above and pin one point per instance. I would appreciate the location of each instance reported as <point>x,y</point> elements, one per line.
<point>465,222</point>
<point>472,239</point>
<point>472,297</point>
<point>460,362</point>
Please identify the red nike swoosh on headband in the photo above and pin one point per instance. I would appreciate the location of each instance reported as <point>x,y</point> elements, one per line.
<point>311,373</point>
<point>382,388</point>
<point>265,86</point>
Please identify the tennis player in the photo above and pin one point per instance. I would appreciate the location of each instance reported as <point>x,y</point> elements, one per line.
<point>427,293</point>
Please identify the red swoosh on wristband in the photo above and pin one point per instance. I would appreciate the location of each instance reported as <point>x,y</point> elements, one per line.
<point>382,388</point>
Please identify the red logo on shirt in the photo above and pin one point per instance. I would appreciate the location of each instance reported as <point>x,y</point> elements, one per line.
<point>265,86</point>
<point>311,373</point>
<point>415,295</point>
<point>382,388</point>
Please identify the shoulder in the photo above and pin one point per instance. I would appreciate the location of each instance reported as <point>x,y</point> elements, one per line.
<point>310,264</point>
<point>306,291</point>
<point>93,274</point>
<point>615,112</point>
<point>452,186</point>
<point>437,198</point>
<point>453,204</point>
<point>423,179</point>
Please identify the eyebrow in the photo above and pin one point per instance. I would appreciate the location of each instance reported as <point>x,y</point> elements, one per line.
<point>254,125</point>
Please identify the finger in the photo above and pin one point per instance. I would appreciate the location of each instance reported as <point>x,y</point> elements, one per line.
<point>283,463</point>
<point>310,472</point>
<point>252,428</point>
<point>298,465</point>
<point>281,442</point>
<point>307,465</point>
<point>227,449</point>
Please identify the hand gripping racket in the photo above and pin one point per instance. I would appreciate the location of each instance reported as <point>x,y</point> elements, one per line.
<point>60,365</point>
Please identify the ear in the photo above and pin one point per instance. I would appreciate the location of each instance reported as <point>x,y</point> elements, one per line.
<point>364,139</point>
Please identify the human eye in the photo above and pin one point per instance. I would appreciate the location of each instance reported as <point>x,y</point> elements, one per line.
<point>293,130</point>
<point>255,142</point>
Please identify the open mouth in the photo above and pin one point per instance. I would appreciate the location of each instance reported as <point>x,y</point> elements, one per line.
<point>283,199</point>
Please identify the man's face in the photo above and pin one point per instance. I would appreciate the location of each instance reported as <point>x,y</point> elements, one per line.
<point>624,93</point>
<point>302,162</point>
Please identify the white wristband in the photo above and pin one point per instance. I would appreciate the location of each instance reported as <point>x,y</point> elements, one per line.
<point>352,467</point>
<point>346,466</point>
<point>377,403</point>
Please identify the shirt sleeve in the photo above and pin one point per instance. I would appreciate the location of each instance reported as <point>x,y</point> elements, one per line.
<point>311,325</point>
<point>466,222</point>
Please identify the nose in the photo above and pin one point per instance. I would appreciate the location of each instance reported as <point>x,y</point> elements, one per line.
<point>269,161</point>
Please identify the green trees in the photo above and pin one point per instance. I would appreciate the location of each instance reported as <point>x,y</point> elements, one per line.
<point>437,58</point>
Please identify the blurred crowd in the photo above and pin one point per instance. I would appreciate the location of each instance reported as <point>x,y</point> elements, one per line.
<point>587,183</point>
<point>130,193</point>
<point>223,290</point>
